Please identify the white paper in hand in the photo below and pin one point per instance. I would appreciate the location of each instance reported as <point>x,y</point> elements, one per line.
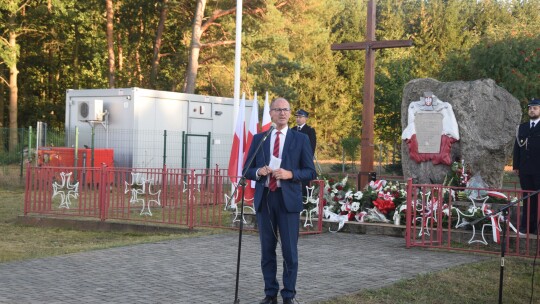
<point>275,163</point>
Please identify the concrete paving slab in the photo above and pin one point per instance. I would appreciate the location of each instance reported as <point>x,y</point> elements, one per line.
<point>203,270</point>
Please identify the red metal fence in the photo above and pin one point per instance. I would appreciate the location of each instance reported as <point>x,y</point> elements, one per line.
<point>440,217</point>
<point>189,198</point>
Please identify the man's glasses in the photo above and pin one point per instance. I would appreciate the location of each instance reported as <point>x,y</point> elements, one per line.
<point>281,110</point>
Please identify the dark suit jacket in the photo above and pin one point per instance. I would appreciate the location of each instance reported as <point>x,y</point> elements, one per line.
<point>527,157</point>
<point>296,157</point>
<point>310,132</point>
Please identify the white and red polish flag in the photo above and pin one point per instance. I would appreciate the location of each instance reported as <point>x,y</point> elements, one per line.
<point>252,130</point>
<point>237,151</point>
<point>266,120</point>
<point>253,125</point>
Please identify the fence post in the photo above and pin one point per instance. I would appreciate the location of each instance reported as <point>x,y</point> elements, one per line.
<point>191,200</point>
<point>92,151</point>
<point>76,151</point>
<point>30,143</point>
<point>164,180</point>
<point>38,127</point>
<point>216,190</point>
<point>208,151</point>
<point>164,148</point>
<point>408,214</point>
<point>321,207</point>
<point>184,159</point>
<point>27,191</point>
<point>103,191</point>
<point>22,155</point>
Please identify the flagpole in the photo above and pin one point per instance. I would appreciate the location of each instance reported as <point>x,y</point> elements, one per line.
<point>237,58</point>
<point>237,61</point>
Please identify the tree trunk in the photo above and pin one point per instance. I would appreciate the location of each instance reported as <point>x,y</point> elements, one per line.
<point>138,68</point>
<point>193,60</point>
<point>110,41</point>
<point>2,108</point>
<point>120,52</point>
<point>157,43</point>
<point>76,59</point>
<point>13,92</point>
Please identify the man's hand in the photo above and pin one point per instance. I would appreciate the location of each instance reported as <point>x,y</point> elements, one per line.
<point>264,171</point>
<point>282,174</point>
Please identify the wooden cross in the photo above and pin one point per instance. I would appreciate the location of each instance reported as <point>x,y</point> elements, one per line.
<point>370,45</point>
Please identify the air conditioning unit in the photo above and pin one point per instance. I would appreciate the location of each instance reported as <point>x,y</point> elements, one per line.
<point>90,110</point>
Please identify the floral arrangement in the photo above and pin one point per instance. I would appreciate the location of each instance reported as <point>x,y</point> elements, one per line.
<point>376,203</point>
<point>459,176</point>
<point>385,201</point>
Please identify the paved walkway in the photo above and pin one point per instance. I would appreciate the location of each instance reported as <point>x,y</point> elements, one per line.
<point>203,270</point>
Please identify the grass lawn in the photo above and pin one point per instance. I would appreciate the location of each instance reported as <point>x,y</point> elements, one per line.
<point>18,242</point>
<point>474,283</point>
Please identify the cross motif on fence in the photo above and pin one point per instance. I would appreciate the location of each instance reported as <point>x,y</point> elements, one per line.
<point>137,187</point>
<point>65,190</point>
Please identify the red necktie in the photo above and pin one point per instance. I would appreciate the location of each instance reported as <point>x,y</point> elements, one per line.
<point>272,185</point>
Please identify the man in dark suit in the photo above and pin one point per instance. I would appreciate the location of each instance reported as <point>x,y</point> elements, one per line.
<point>279,168</point>
<point>301,126</point>
<point>527,165</point>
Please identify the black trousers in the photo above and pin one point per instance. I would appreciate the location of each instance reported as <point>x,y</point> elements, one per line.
<point>529,214</point>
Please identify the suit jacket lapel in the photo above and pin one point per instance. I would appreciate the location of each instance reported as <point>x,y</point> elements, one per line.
<point>526,130</point>
<point>289,140</point>
<point>266,150</point>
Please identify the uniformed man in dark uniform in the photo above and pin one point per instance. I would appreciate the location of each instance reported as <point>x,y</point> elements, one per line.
<point>302,127</point>
<point>301,119</point>
<point>527,165</point>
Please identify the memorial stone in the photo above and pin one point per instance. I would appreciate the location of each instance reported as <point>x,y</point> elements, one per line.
<point>486,115</point>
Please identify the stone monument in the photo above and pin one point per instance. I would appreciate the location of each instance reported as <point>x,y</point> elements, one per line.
<point>472,121</point>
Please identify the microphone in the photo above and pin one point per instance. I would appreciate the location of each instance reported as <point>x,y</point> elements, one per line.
<point>272,127</point>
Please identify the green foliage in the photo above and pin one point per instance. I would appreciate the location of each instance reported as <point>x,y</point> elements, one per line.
<point>350,146</point>
<point>341,167</point>
<point>394,169</point>
<point>512,62</point>
<point>285,51</point>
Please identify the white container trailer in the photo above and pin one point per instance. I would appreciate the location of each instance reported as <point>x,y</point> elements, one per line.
<point>140,124</point>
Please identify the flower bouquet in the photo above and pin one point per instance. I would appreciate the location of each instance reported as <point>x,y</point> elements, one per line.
<point>376,203</point>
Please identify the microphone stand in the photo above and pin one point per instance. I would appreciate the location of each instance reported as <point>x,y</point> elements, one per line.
<point>242,183</point>
<point>504,211</point>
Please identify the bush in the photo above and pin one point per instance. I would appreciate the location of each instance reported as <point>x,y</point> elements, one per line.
<point>394,169</point>
<point>339,167</point>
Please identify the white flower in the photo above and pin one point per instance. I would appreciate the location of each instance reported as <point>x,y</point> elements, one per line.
<point>358,195</point>
<point>355,206</point>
